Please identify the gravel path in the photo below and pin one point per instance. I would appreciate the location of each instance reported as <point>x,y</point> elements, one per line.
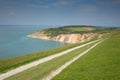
<point>61,68</point>
<point>35,63</point>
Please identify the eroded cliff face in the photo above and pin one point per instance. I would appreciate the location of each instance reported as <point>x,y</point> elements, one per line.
<point>39,35</point>
<point>67,38</point>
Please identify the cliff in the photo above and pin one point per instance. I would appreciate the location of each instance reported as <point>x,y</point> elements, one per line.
<point>66,38</point>
<point>69,34</point>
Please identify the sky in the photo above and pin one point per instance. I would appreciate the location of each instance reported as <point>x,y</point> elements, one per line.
<point>60,12</point>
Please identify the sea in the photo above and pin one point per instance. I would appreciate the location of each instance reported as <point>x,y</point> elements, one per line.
<point>13,40</point>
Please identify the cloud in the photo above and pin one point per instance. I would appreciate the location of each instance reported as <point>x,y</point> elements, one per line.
<point>38,6</point>
<point>12,14</point>
<point>62,3</point>
<point>107,2</point>
<point>49,4</point>
<point>89,8</point>
<point>115,2</point>
<point>35,3</point>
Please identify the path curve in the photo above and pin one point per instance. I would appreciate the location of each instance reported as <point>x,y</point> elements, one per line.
<point>61,68</point>
<point>35,63</point>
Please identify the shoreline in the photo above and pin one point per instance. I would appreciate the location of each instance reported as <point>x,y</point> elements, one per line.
<point>66,38</point>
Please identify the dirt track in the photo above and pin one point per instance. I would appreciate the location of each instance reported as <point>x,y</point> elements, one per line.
<point>35,63</point>
<point>57,71</point>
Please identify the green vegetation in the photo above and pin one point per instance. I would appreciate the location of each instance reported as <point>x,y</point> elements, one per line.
<point>12,63</point>
<point>40,71</point>
<point>71,29</point>
<point>101,63</point>
<point>80,29</point>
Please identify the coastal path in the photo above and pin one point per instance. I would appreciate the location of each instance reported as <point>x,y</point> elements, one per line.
<point>35,63</point>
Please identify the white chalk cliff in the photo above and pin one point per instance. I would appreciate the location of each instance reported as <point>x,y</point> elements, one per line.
<point>67,38</point>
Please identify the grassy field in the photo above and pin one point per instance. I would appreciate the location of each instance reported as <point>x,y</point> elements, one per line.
<point>12,63</point>
<point>72,29</point>
<point>80,29</point>
<point>38,72</point>
<point>101,63</point>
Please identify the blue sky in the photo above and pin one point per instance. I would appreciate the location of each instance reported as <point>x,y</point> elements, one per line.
<point>60,12</point>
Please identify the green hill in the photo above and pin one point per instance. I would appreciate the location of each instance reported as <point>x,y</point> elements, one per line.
<point>72,29</point>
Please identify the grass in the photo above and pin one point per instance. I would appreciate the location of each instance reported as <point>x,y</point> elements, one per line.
<point>101,63</point>
<point>11,63</point>
<point>80,29</point>
<point>71,29</point>
<point>38,72</point>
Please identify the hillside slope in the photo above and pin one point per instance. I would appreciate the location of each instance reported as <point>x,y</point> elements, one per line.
<point>68,34</point>
<point>101,63</point>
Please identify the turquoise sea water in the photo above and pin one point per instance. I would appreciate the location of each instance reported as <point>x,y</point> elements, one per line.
<point>13,41</point>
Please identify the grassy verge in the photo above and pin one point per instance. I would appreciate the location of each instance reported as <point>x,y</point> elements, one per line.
<point>38,72</point>
<point>12,63</point>
<point>101,63</point>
